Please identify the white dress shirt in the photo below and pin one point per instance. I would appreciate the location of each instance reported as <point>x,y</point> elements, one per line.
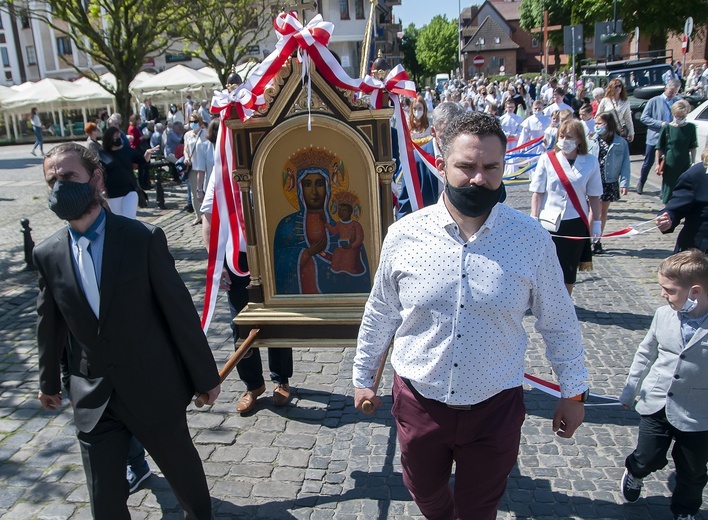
<point>584,176</point>
<point>455,308</point>
<point>555,106</point>
<point>533,128</point>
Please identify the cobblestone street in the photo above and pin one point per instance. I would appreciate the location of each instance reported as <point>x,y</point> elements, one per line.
<point>319,458</point>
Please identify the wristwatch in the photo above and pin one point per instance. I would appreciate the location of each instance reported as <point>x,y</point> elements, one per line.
<point>581,397</point>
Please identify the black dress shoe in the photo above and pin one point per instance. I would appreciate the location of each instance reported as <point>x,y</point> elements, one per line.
<point>597,248</point>
<point>188,208</point>
<point>640,188</point>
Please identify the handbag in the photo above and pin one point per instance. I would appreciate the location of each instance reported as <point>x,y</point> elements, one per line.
<point>623,130</point>
<point>550,219</point>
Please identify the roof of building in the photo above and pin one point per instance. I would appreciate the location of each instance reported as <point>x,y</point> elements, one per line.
<point>508,9</point>
<point>490,32</point>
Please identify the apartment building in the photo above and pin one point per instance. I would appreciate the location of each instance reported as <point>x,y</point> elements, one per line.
<point>30,50</point>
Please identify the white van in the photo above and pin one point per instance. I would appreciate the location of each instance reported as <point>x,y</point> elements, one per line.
<point>439,80</point>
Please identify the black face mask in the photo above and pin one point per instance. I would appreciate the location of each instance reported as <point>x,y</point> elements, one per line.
<point>473,201</point>
<point>117,141</point>
<point>71,200</point>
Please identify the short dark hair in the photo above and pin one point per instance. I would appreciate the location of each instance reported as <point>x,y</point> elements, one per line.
<point>87,157</point>
<point>687,268</point>
<point>473,123</point>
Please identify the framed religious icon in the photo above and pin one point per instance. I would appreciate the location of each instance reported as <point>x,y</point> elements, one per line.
<point>317,212</point>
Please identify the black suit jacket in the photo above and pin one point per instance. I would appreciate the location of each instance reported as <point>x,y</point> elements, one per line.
<point>689,201</point>
<point>147,347</point>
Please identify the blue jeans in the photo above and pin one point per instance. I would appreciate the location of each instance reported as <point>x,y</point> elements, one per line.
<point>39,138</point>
<point>649,155</point>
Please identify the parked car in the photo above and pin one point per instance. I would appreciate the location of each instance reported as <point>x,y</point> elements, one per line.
<point>643,79</point>
<point>699,117</point>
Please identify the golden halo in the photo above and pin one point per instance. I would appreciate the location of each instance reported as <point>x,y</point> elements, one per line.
<point>313,157</point>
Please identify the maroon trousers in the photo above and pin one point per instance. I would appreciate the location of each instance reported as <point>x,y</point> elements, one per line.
<point>483,442</point>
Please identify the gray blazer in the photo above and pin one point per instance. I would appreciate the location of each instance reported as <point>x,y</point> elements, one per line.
<point>653,117</point>
<point>664,373</point>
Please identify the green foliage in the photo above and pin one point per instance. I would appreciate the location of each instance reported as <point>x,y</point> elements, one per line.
<point>655,18</point>
<point>559,13</point>
<point>437,45</point>
<point>118,34</point>
<point>408,48</point>
<point>221,32</point>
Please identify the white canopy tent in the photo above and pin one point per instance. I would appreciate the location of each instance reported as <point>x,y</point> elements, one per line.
<point>54,95</point>
<point>172,84</point>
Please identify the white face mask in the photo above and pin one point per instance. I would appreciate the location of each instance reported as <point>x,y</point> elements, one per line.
<point>567,145</point>
<point>418,113</point>
<point>680,122</point>
<point>537,112</point>
<point>689,306</point>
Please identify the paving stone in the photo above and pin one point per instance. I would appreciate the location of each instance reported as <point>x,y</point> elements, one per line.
<point>318,457</point>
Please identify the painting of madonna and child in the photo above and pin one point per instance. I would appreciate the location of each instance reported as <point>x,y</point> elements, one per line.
<point>321,246</point>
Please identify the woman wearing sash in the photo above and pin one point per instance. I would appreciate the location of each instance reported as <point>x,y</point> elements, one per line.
<point>566,187</point>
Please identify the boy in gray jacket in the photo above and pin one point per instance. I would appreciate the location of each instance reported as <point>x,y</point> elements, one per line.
<point>668,382</point>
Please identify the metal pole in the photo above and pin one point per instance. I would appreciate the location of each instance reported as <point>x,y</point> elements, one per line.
<point>459,38</point>
<point>572,36</point>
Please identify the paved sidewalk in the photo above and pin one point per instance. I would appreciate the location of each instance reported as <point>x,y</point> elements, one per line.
<point>318,458</point>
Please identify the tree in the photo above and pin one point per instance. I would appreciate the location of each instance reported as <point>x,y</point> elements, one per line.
<point>560,12</point>
<point>436,47</point>
<point>408,48</point>
<point>222,33</point>
<point>655,18</point>
<point>118,34</point>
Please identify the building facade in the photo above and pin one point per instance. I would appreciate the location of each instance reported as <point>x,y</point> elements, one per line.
<point>30,50</point>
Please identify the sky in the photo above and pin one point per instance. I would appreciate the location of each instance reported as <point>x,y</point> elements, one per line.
<point>419,12</point>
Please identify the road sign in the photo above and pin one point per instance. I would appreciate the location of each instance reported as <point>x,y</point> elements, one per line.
<point>688,26</point>
<point>478,61</point>
<point>684,44</point>
<point>605,28</point>
<point>573,42</point>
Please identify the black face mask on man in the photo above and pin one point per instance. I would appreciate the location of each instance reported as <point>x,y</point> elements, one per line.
<point>71,200</point>
<point>473,201</point>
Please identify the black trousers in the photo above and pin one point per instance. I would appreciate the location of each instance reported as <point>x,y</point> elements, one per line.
<point>105,449</point>
<point>250,369</point>
<point>690,454</point>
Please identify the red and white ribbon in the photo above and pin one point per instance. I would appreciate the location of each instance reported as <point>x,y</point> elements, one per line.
<point>310,41</point>
<point>554,390</point>
<point>629,231</point>
<point>228,229</point>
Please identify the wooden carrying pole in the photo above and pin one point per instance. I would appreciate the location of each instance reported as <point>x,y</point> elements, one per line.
<point>201,399</point>
<point>366,45</point>
<point>367,406</point>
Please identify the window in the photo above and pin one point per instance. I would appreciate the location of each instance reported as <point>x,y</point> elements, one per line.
<point>5,57</point>
<point>344,9</point>
<point>534,42</point>
<point>63,46</point>
<point>24,20</point>
<point>2,38</point>
<point>8,75</point>
<point>359,9</point>
<point>31,55</point>
<point>502,62</point>
<point>497,40</point>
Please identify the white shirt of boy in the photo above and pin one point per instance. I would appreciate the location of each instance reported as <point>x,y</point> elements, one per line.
<point>533,127</point>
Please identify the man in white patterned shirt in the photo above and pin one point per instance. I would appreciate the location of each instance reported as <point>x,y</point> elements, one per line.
<point>452,288</point>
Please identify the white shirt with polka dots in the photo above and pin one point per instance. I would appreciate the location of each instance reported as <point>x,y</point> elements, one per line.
<point>454,309</point>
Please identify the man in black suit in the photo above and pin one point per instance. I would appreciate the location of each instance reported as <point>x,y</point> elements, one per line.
<point>112,304</point>
<point>689,202</point>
